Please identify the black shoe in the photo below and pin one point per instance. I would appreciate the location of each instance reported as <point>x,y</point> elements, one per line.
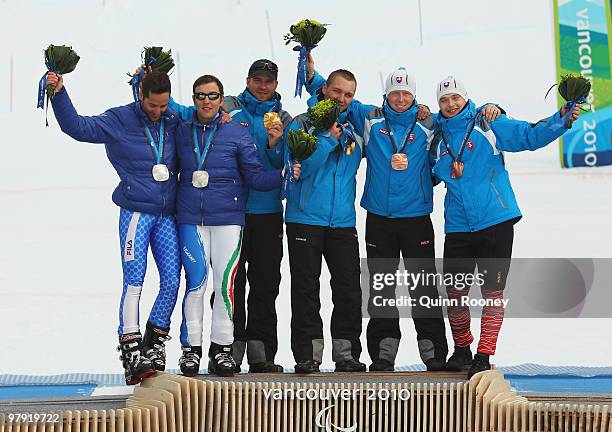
<point>153,345</point>
<point>265,367</point>
<point>435,365</point>
<point>190,360</point>
<point>351,365</point>
<point>307,367</point>
<point>460,360</point>
<point>479,364</point>
<point>137,367</point>
<point>220,361</point>
<point>381,365</point>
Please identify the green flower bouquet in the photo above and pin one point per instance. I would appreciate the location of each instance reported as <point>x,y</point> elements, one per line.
<point>157,60</point>
<point>307,33</point>
<point>60,59</point>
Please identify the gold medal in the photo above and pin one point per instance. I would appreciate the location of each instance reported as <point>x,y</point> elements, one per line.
<point>456,169</point>
<point>349,149</point>
<point>399,161</point>
<point>269,118</point>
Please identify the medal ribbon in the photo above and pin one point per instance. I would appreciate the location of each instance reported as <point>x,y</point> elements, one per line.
<point>392,138</point>
<point>201,156</point>
<point>462,148</point>
<point>158,149</point>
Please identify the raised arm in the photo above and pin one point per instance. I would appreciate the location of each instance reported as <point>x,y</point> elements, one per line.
<point>517,135</point>
<point>94,129</point>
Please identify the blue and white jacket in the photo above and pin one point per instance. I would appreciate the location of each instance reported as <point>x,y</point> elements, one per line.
<point>232,163</point>
<point>121,131</point>
<point>249,111</point>
<point>483,196</point>
<point>325,192</point>
<point>387,192</point>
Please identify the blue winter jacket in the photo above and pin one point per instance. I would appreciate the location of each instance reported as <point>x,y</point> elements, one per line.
<point>483,196</point>
<point>249,111</point>
<point>121,131</point>
<point>232,163</point>
<point>325,192</point>
<point>387,192</point>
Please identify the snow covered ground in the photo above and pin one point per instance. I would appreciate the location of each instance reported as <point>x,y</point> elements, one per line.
<point>60,273</point>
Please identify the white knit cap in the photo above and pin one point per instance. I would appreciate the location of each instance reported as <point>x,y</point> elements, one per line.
<point>400,79</point>
<point>451,85</point>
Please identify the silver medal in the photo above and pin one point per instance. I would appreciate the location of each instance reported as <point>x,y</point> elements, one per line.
<point>160,172</point>
<point>199,179</point>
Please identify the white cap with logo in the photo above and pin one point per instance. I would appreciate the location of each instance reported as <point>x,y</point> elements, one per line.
<point>451,85</point>
<point>399,80</point>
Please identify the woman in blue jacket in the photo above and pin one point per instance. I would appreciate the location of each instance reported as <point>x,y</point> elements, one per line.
<point>139,140</point>
<point>216,163</point>
<point>480,208</point>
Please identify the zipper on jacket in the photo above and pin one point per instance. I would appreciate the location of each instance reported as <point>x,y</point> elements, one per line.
<point>331,216</point>
<point>306,195</point>
<point>202,206</point>
<point>163,194</point>
<point>496,191</point>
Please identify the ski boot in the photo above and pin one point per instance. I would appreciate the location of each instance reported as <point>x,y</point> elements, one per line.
<point>220,360</point>
<point>190,360</point>
<point>153,345</point>
<point>137,367</point>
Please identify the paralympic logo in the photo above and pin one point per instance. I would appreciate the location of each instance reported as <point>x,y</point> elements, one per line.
<point>328,425</point>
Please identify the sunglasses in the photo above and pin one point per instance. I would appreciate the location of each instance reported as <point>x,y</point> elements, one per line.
<point>211,96</point>
<point>268,66</point>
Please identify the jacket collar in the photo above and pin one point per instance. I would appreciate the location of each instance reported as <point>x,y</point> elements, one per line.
<point>257,107</point>
<point>405,118</point>
<point>461,121</point>
<point>195,121</point>
<point>137,108</point>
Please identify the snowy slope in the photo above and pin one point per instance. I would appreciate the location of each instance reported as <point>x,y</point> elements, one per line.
<point>60,275</point>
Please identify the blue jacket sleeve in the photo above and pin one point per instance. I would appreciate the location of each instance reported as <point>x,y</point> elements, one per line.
<point>315,84</point>
<point>184,112</point>
<point>251,167</point>
<point>275,155</point>
<point>325,146</point>
<point>358,114</point>
<point>517,135</point>
<point>101,129</point>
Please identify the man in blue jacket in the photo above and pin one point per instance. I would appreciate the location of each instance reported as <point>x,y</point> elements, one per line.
<point>398,196</point>
<point>216,161</point>
<point>262,243</point>
<point>140,143</point>
<point>320,219</point>
<point>480,208</point>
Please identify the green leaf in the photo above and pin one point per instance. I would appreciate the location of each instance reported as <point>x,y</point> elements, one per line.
<point>306,33</point>
<point>301,144</point>
<point>324,114</point>
<point>574,87</point>
<point>158,59</point>
<point>61,59</point>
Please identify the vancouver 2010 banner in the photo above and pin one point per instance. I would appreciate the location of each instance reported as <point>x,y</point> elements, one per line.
<point>582,34</point>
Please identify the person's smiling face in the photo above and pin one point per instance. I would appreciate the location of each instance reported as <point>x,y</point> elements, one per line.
<point>451,104</point>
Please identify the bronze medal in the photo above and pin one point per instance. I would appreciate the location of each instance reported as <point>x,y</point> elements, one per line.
<point>399,161</point>
<point>456,169</point>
